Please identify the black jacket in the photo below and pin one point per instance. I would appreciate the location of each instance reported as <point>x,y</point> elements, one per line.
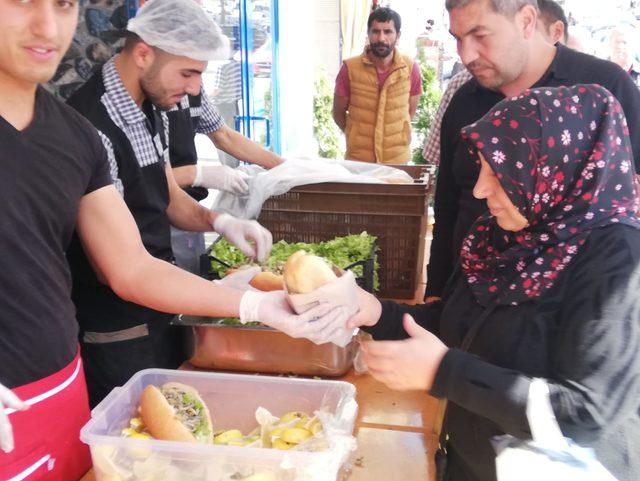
<point>582,336</point>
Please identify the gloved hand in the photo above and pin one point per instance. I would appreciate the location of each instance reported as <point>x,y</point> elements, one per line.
<point>240,278</point>
<point>221,177</point>
<point>320,324</point>
<point>8,400</point>
<point>240,231</point>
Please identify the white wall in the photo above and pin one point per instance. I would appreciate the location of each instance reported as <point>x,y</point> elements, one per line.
<point>414,15</point>
<point>327,36</point>
<point>297,66</point>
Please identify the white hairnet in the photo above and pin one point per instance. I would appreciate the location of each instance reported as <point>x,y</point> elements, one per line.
<point>180,27</point>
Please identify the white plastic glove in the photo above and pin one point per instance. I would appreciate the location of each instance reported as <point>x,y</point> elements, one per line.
<point>221,177</point>
<point>8,401</point>
<point>240,278</point>
<point>240,231</point>
<point>319,324</point>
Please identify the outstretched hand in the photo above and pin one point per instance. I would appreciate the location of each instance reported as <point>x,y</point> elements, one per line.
<point>320,324</point>
<point>410,364</point>
<point>369,311</point>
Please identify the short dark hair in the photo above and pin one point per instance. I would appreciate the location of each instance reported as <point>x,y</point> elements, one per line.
<point>507,8</point>
<point>552,12</point>
<point>383,15</point>
<point>130,40</point>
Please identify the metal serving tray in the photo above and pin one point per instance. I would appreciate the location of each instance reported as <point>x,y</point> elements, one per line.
<point>262,349</point>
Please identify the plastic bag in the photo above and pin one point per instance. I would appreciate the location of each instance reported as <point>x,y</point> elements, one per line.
<point>294,172</point>
<point>359,364</point>
<point>549,456</point>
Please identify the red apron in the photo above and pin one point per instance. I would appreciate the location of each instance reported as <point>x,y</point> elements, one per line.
<point>47,435</point>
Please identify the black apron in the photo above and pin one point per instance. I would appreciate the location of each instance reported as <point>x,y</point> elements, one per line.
<point>119,338</point>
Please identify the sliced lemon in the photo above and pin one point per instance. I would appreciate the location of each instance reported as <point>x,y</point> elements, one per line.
<point>226,436</point>
<point>280,444</point>
<point>295,435</point>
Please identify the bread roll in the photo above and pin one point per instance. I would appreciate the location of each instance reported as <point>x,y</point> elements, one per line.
<point>267,281</point>
<point>176,412</point>
<point>304,273</point>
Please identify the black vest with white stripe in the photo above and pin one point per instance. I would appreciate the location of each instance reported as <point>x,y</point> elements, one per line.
<point>146,193</point>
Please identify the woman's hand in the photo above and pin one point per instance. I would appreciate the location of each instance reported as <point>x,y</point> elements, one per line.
<point>405,365</point>
<point>369,313</point>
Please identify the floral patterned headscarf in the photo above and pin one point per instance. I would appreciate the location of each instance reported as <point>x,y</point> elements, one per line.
<point>564,159</point>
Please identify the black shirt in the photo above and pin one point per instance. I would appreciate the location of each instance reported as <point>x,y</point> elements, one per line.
<point>46,169</point>
<point>582,336</point>
<point>455,207</point>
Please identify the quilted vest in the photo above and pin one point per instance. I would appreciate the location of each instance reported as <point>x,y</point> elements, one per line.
<point>378,123</point>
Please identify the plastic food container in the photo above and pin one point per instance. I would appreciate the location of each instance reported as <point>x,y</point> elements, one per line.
<point>232,400</point>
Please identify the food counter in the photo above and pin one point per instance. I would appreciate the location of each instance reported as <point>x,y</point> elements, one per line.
<point>394,432</point>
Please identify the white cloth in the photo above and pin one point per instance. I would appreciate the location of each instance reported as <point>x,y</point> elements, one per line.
<point>294,172</point>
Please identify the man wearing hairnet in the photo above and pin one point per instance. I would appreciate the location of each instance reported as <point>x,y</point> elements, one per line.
<point>166,51</point>
<point>197,114</point>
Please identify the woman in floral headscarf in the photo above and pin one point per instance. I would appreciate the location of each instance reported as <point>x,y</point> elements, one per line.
<point>553,269</point>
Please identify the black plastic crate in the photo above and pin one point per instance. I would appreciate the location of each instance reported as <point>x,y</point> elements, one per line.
<point>396,214</point>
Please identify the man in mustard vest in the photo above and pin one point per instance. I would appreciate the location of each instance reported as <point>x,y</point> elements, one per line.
<point>376,95</point>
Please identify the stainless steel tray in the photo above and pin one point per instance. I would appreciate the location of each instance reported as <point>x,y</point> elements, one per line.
<point>262,349</point>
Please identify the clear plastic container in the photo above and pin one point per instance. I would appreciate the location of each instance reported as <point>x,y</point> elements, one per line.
<point>232,400</point>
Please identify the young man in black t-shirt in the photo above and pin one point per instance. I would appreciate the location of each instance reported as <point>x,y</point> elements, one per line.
<point>55,177</point>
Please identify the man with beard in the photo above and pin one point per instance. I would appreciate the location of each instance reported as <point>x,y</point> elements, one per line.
<point>501,46</point>
<point>376,95</point>
<point>166,50</point>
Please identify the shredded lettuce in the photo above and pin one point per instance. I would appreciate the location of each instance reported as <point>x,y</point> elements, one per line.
<point>202,432</point>
<point>234,321</point>
<point>341,252</point>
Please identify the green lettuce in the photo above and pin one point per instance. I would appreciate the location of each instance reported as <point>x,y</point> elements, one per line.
<point>340,251</point>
